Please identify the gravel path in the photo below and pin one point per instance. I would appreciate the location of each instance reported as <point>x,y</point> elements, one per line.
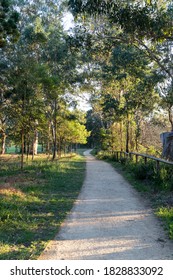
<point>109,221</point>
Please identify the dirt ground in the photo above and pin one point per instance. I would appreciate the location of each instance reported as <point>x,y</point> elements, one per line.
<point>109,221</point>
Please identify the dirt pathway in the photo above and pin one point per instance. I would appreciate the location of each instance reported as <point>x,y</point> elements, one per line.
<point>109,221</point>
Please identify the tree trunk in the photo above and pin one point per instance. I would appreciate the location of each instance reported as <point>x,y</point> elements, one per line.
<point>35,144</point>
<point>137,134</point>
<point>127,133</point>
<point>22,148</point>
<point>47,146</point>
<point>54,132</point>
<point>121,135</point>
<point>54,142</point>
<point>28,149</point>
<point>4,136</point>
<point>59,148</point>
<point>42,147</point>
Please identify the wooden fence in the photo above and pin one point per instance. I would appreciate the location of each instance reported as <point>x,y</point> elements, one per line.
<point>130,155</point>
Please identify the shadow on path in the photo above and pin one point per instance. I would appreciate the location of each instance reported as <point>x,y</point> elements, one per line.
<point>109,221</point>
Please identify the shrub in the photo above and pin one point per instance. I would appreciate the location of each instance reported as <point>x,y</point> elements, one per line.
<point>143,171</point>
<point>123,161</point>
<point>164,178</point>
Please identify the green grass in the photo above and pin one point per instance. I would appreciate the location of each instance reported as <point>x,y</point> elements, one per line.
<point>166,214</point>
<point>33,203</point>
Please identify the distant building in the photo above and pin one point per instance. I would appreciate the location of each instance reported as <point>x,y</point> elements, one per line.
<point>167,141</point>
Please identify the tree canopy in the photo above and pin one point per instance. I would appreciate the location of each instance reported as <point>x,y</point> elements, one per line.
<point>117,52</point>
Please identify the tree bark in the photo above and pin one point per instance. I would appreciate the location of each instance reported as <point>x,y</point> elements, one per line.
<point>4,136</point>
<point>59,148</point>
<point>127,133</point>
<point>35,144</point>
<point>121,135</point>
<point>22,148</point>
<point>54,132</point>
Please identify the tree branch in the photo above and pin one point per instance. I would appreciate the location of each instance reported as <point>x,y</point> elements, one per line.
<point>154,57</point>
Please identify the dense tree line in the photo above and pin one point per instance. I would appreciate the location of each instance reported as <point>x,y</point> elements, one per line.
<point>39,74</point>
<point>130,44</point>
<point>121,52</point>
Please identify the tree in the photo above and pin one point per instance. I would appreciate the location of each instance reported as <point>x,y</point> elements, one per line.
<point>127,94</point>
<point>147,26</point>
<point>8,23</point>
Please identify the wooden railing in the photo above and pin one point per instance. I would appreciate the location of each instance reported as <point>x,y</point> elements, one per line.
<point>130,155</point>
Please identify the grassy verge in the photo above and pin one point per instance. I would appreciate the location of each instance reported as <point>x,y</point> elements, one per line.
<point>157,188</point>
<point>33,203</point>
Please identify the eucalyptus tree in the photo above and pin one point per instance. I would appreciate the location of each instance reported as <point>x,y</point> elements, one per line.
<point>147,25</point>
<point>60,74</point>
<point>26,103</point>
<point>127,93</point>
<point>22,87</point>
<point>3,122</point>
<point>9,35</point>
<point>118,27</point>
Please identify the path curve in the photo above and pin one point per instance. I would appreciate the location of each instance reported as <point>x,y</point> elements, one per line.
<point>109,221</point>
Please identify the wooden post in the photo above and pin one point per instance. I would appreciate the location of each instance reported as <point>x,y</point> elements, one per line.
<point>130,156</point>
<point>145,160</point>
<point>157,166</point>
<point>136,158</point>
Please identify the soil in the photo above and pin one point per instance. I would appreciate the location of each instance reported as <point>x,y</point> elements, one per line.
<point>109,221</point>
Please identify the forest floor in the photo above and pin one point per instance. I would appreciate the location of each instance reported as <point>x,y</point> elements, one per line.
<point>110,220</point>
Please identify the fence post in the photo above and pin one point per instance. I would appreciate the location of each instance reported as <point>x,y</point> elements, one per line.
<point>145,160</point>
<point>136,158</point>
<point>157,166</point>
<point>130,156</point>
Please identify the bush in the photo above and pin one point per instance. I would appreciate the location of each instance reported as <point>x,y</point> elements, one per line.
<point>142,171</point>
<point>167,214</point>
<point>162,180</point>
<point>124,161</point>
<point>103,155</point>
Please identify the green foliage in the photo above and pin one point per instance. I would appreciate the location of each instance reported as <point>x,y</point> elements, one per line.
<point>8,23</point>
<point>147,20</point>
<point>143,171</point>
<point>103,154</point>
<point>167,215</point>
<point>159,179</point>
<point>133,37</point>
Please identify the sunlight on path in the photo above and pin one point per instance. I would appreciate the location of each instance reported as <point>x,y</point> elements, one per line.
<point>109,221</point>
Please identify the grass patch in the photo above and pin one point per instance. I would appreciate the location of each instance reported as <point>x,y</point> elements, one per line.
<point>166,213</point>
<point>33,203</point>
<point>158,188</point>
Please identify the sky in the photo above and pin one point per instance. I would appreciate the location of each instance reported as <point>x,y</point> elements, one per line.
<point>68,21</point>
